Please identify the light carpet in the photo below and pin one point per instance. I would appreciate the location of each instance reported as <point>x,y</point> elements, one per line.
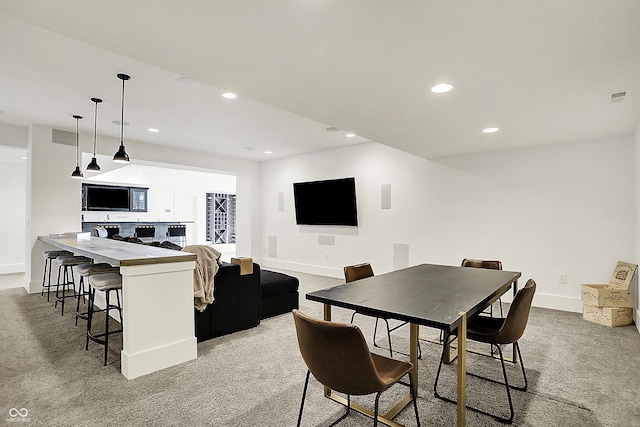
<point>580,374</point>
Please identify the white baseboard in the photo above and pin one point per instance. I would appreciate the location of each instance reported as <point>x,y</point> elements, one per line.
<point>11,268</point>
<point>558,302</point>
<point>35,287</point>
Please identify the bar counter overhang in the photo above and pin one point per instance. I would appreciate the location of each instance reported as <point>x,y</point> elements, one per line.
<point>157,289</point>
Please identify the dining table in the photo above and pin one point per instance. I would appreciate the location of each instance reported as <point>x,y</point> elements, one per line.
<point>436,296</point>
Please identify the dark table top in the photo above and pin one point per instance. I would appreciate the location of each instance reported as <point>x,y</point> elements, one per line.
<point>426,294</point>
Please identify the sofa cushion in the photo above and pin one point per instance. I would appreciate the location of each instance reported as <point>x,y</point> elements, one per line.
<point>274,284</point>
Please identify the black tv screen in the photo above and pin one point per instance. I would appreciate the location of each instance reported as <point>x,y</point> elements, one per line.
<point>330,202</point>
<point>105,198</point>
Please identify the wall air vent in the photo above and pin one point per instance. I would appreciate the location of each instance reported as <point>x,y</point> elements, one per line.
<point>618,96</point>
<point>63,137</point>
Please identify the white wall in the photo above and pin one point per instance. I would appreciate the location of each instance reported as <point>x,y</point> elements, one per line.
<point>13,140</point>
<point>13,136</point>
<point>543,211</point>
<point>12,214</point>
<point>636,288</point>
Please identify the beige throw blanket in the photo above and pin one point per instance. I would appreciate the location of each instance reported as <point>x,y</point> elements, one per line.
<point>206,269</point>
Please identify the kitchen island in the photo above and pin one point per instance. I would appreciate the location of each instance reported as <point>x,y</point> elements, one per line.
<point>157,288</point>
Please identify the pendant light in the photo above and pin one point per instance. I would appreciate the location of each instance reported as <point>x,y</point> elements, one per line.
<point>121,156</point>
<point>93,166</point>
<point>77,174</point>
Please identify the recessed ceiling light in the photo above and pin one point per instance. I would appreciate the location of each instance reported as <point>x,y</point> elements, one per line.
<point>117,123</point>
<point>350,135</point>
<point>441,88</point>
<point>23,158</point>
<point>249,148</point>
<point>154,130</point>
<point>229,95</point>
<point>332,129</point>
<point>490,130</point>
<point>268,152</point>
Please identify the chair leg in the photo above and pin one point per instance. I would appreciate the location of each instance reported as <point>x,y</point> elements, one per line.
<point>375,411</point>
<point>55,305</point>
<point>506,383</point>
<point>80,295</point>
<point>414,397</point>
<point>92,296</point>
<point>65,285</point>
<point>345,414</point>
<point>435,384</point>
<point>524,374</point>
<point>375,331</point>
<point>304,394</point>
<point>44,275</point>
<point>106,327</point>
<point>49,283</point>
<point>119,307</point>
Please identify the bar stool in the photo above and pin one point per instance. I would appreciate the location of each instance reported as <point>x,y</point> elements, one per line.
<point>106,283</point>
<point>86,270</point>
<point>112,230</point>
<point>178,232</point>
<point>67,263</point>
<point>49,256</point>
<point>145,232</point>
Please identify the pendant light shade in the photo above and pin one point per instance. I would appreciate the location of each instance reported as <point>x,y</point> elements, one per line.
<point>77,173</point>
<point>121,156</point>
<point>93,166</point>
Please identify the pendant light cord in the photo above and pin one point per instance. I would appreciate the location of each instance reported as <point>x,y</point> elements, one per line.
<point>122,117</point>
<point>95,129</point>
<point>77,143</point>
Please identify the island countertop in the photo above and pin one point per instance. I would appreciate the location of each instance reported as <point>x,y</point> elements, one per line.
<point>117,252</point>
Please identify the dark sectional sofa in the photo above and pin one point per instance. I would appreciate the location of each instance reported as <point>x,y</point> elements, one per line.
<point>279,293</point>
<point>241,301</point>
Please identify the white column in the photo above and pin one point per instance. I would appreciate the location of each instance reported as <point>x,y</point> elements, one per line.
<point>53,199</point>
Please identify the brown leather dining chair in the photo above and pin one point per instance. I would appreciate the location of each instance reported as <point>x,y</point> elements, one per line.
<point>488,264</point>
<point>362,271</point>
<point>497,332</point>
<point>338,357</point>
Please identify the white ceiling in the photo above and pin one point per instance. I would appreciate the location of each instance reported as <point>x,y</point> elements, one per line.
<point>542,71</point>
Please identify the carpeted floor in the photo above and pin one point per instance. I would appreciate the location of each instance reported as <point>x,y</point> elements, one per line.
<point>580,374</point>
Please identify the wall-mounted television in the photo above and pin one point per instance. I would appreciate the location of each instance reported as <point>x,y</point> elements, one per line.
<point>329,202</point>
<point>106,198</point>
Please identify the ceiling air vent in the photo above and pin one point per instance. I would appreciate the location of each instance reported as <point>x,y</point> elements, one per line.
<point>618,96</point>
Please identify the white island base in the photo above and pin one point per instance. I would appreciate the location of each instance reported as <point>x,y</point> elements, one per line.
<point>158,321</point>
